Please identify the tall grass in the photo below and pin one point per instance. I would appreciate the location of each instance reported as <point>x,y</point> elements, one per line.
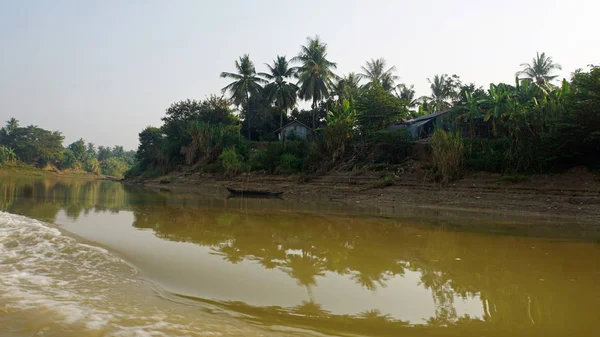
<point>231,162</point>
<point>208,141</point>
<point>448,150</point>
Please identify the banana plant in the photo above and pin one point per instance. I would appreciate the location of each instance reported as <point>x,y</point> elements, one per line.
<point>527,92</point>
<point>497,105</point>
<point>7,155</point>
<point>343,112</point>
<point>470,111</point>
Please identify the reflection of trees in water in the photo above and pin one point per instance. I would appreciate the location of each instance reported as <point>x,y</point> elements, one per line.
<point>375,315</point>
<point>310,309</point>
<point>503,272</point>
<point>44,197</point>
<point>522,288</point>
<point>229,253</point>
<point>304,268</point>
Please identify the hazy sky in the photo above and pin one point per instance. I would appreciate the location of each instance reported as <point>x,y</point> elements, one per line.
<point>103,70</point>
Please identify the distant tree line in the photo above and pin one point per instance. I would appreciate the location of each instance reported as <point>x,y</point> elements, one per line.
<point>39,147</point>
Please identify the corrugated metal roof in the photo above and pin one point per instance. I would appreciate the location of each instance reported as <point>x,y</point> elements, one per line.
<point>427,117</point>
<point>413,129</point>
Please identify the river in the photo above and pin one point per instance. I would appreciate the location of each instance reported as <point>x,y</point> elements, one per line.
<point>98,258</point>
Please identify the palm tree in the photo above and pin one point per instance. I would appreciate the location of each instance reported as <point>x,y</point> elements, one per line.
<point>315,73</point>
<point>91,149</point>
<point>441,90</point>
<point>540,69</point>
<point>407,93</point>
<point>470,111</point>
<point>375,71</point>
<point>11,125</point>
<point>245,84</point>
<point>347,88</point>
<point>283,93</point>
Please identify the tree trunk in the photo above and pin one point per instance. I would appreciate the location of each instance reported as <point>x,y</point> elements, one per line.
<point>248,116</point>
<point>314,113</point>
<point>281,119</point>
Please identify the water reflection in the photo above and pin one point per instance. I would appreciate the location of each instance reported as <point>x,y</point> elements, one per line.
<point>44,197</point>
<point>529,286</point>
<point>519,285</point>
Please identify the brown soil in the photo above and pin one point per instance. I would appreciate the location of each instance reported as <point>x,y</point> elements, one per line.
<point>574,195</point>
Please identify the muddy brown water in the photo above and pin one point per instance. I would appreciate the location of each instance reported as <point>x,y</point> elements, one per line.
<point>98,258</point>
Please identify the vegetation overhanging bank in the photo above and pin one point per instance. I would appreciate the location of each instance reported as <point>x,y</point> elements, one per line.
<point>533,125</point>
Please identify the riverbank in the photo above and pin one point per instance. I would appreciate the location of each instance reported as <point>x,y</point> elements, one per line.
<point>24,169</point>
<point>574,194</point>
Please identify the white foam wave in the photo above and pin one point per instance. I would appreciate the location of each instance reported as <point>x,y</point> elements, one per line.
<point>69,286</point>
<point>41,269</point>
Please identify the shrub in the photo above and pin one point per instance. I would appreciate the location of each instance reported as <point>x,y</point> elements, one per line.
<point>337,138</point>
<point>231,162</point>
<point>258,160</point>
<point>68,160</point>
<point>113,167</point>
<point>448,150</point>
<point>272,155</point>
<point>387,180</point>
<point>7,155</point>
<point>313,160</point>
<point>560,149</point>
<point>137,171</point>
<point>288,164</point>
<point>92,165</point>
<point>208,141</point>
<point>134,171</point>
<point>289,157</point>
<point>390,146</point>
<point>487,154</point>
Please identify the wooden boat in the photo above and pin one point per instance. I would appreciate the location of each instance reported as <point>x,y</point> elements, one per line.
<point>253,193</point>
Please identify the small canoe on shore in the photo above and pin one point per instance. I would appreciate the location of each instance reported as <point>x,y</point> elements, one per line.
<point>254,193</point>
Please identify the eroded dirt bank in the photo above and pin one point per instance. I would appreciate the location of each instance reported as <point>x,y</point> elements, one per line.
<point>574,194</point>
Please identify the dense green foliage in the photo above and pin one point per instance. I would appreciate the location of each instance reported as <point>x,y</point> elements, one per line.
<point>7,155</point>
<point>279,91</point>
<point>585,105</point>
<point>529,126</point>
<point>68,161</point>
<point>231,161</point>
<point>79,150</point>
<point>92,165</point>
<point>32,144</point>
<point>194,132</point>
<point>152,151</point>
<point>246,84</point>
<point>376,109</point>
<point>39,147</point>
<point>315,73</point>
<point>113,166</point>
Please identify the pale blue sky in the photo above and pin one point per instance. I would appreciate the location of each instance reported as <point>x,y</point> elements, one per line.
<point>103,70</point>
